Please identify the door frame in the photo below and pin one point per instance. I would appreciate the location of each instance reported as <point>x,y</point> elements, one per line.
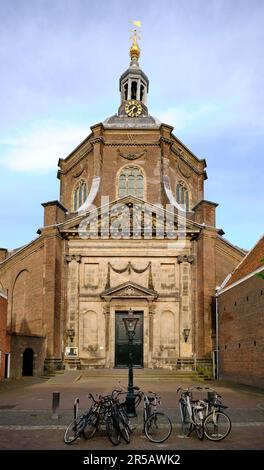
<point>136,312</point>
<point>7,365</point>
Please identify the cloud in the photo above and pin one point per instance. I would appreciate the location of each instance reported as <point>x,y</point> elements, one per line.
<point>41,146</point>
<point>183,118</point>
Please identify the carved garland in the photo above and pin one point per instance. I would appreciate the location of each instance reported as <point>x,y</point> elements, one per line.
<point>131,156</point>
<point>129,267</point>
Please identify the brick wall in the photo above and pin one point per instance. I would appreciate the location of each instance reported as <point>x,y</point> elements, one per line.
<point>105,157</point>
<point>227,258</point>
<point>241,332</point>
<point>19,343</point>
<point>4,338</point>
<point>33,279</point>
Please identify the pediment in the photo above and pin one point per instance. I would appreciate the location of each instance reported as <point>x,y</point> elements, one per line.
<point>129,290</point>
<point>127,217</point>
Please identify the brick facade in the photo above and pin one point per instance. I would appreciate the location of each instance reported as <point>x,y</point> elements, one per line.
<point>61,282</point>
<point>241,332</point>
<point>4,337</point>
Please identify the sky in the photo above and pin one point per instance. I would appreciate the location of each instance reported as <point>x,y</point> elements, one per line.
<point>60,65</point>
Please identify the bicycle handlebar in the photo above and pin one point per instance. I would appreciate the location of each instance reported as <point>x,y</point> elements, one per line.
<point>92,397</point>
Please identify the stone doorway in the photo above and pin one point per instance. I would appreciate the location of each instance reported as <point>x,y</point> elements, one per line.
<point>27,368</point>
<point>121,341</point>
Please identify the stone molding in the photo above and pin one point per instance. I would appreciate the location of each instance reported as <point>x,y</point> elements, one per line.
<point>76,258</point>
<point>185,259</point>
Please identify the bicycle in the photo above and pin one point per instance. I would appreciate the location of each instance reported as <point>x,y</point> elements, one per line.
<point>192,413</point>
<point>217,424</point>
<point>84,425</point>
<point>157,425</point>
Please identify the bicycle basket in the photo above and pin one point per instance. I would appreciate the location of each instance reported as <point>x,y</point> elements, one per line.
<point>212,397</point>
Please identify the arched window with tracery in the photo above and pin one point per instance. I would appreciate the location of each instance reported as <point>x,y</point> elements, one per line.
<point>79,195</point>
<point>182,195</point>
<point>131,181</point>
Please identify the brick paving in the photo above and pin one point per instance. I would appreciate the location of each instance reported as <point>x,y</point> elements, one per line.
<point>25,412</point>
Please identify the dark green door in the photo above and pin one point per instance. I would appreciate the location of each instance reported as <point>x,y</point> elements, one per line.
<point>121,341</point>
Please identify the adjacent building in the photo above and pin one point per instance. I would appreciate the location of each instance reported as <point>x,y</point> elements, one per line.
<point>4,337</point>
<point>241,321</point>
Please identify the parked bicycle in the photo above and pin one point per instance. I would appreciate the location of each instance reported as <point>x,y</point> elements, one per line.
<point>217,424</point>
<point>157,425</point>
<point>108,410</point>
<point>192,412</point>
<point>87,421</point>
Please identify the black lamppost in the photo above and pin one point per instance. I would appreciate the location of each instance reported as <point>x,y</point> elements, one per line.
<point>130,324</point>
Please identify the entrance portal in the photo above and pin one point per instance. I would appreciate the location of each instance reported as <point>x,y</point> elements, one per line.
<point>121,341</point>
<point>28,362</point>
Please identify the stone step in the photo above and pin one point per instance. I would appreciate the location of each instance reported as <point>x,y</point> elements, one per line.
<point>139,373</point>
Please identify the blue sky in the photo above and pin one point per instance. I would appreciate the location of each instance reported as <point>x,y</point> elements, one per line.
<point>60,65</point>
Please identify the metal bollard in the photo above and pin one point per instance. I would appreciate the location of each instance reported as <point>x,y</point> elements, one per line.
<point>55,405</point>
<point>76,408</point>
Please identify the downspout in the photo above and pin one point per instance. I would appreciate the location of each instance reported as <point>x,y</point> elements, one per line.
<point>217,333</point>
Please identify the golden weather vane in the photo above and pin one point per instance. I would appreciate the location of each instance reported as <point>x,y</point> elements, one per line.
<point>134,49</point>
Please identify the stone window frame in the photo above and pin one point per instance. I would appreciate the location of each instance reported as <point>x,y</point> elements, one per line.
<point>76,194</point>
<point>187,191</point>
<point>119,174</point>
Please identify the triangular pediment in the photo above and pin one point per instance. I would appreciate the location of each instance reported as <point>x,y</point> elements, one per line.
<point>127,217</point>
<point>129,290</point>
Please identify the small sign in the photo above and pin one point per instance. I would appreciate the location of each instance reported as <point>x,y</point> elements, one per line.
<point>70,351</point>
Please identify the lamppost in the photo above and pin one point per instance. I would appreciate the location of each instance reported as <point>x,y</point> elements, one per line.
<point>130,324</point>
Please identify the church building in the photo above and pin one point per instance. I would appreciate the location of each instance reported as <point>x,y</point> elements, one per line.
<point>130,233</point>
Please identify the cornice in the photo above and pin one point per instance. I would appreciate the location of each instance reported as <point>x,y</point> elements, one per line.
<point>24,252</point>
<point>76,158</point>
<point>132,144</point>
<point>181,155</point>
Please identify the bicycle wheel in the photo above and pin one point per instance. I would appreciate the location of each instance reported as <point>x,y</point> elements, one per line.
<point>123,428</point>
<point>217,426</point>
<point>91,425</point>
<point>125,418</point>
<point>112,431</point>
<point>158,427</point>
<point>74,430</point>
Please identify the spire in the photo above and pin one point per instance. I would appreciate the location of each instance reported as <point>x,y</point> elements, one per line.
<point>134,49</point>
<point>133,83</point>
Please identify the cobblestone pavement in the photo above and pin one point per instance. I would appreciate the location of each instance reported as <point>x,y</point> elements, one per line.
<point>25,413</point>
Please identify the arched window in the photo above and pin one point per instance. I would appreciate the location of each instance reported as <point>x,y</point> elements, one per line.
<point>142,93</point>
<point>182,195</point>
<point>133,90</point>
<point>131,181</point>
<point>80,195</point>
<point>126,90</point>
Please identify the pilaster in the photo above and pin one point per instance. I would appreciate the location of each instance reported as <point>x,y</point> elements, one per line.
<point>185,317</point>
<point>73,287</point>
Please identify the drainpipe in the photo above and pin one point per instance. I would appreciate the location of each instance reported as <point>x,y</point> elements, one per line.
<point>217,332</point>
